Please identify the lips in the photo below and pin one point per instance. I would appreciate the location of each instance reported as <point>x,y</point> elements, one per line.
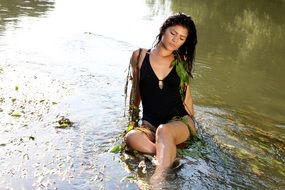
<point>172,45</point>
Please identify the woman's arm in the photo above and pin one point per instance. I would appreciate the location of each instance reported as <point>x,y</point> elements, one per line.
<point>188,101</point>
<point>134,94</point>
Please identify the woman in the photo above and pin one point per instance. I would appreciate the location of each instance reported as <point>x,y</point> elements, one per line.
<point>161,82</point>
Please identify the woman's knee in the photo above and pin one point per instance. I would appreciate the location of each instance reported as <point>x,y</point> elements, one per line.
<point>163,131</point>
<point>130,136</point>
<point>136,140</point>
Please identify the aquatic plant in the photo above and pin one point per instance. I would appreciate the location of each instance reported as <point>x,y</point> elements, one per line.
<point>64,122</point>
<point>180,67</point>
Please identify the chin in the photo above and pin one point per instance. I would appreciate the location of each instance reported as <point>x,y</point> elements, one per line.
<point>170,48</point>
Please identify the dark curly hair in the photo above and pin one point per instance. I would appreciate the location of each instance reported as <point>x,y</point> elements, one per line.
<point>187,50</point>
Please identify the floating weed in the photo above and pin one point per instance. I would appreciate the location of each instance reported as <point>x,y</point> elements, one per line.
<point>195,149</point>
<point>15,114</point>
<point>116,149</point>
<point>64,123</point>
<point>16,87</point>
<point>194,153</point>
<point>130,178</point>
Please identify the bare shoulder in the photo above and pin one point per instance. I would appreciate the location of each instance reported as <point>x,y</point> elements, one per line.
<point>137,52</point>
<point>135,59</point>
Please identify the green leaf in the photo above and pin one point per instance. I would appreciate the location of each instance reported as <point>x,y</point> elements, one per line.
<point>116,148</point>
<point>174,62</point>
<point>130,126</point>
<point>16,114</point>
<point>63,125</point>
<point>181,71</point>
<point>191,153</point>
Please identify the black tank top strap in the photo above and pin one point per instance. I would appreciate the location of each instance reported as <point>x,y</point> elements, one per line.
<point>145,61</point>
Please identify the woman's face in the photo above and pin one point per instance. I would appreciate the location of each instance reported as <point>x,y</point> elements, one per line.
<point>174,37</point>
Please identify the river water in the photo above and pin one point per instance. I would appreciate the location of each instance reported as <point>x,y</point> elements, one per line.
<point>69,58</point>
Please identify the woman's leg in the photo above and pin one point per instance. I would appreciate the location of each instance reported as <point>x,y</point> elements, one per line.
<point>139,141</point>
<point>167,137</point>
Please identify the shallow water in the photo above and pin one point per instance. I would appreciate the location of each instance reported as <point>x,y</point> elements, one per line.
<point>69,58</point>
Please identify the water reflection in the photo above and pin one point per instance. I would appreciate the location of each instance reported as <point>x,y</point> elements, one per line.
<point>11,10</point>
<point>158,7</point>
<point>240,59</point>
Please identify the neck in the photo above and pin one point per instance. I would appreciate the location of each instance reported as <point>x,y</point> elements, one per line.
<point>161,51</point>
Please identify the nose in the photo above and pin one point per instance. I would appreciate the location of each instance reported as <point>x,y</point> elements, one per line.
<point>174,39</point>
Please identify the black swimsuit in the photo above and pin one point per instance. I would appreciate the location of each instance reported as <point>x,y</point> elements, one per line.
<point>159,105</point>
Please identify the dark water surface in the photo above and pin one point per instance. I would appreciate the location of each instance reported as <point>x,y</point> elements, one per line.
<point>69,58</point>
